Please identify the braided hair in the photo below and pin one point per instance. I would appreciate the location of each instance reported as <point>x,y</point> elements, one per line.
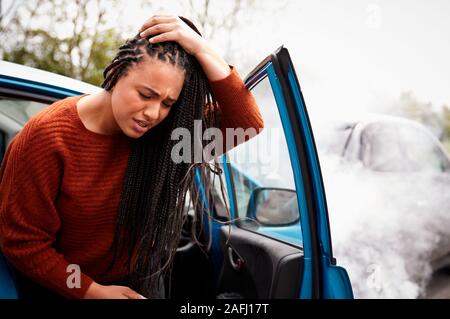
<point>153,201</point>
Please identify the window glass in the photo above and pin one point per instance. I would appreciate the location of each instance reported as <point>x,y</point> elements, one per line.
<point>262,168</point>
<point>19,110</point>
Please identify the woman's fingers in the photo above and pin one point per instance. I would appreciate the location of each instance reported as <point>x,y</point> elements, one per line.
<point>131,294</point>
<point>172,28</point>
<point>168,36</point>
<point>157,29</point>
<point>156,20</point>
<point>137,296</point>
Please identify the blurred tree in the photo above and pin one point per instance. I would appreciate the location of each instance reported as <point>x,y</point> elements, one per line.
<point>435,119</point>
<point>61,36</point>
<point>408,106</point>
<point>218,21</point>
<point>225,22</point>
<point>6,11</point>
<point>3,12</point>
<point>446,127</point>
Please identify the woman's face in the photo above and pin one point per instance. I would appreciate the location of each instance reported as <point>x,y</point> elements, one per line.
<point>143,97</point>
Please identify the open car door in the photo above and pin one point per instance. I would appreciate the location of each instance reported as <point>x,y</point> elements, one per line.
<point>278,243</point>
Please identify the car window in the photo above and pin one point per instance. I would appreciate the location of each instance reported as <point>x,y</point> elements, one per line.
<point>401,147</point>
<point>18,109</point>
<point>264,163</point>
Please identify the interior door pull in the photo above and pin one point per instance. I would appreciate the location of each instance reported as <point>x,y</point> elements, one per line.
<point>235,260</point>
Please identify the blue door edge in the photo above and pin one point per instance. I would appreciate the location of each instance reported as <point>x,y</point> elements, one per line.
<point>8,288</point>
<point>310,283</point>
<point>328,280</point>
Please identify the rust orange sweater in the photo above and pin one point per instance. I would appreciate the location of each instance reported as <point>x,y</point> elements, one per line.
<point>60,187</point>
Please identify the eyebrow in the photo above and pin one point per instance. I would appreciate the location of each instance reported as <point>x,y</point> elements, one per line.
<point>157,93</point>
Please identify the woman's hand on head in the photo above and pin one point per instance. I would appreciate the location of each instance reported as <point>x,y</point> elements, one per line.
<point>172,28</point>
<point>97,291</point>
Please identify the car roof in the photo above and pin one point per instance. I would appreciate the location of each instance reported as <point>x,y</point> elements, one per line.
<point>32,74</point>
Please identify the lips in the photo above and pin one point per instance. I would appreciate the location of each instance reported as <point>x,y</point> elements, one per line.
<point>142,123</point>
<point>141,126</point>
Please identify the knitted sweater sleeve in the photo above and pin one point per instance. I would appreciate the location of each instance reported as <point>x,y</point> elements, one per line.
<point>29,222</point>
<point>237,108</point>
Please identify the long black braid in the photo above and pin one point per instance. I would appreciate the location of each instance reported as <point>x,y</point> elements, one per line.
<point>151,209</point>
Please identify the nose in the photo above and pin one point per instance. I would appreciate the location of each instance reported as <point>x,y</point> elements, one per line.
<point>152,112</point>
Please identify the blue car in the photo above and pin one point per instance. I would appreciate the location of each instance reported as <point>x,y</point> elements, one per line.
<point>274,241</point>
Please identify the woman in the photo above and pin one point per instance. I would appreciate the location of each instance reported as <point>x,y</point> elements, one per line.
<point>88,188</point>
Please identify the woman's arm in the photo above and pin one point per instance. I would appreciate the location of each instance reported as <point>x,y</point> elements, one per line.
<point>212,64</point>
<point>240,117</point>
<point>29,221</point>
<point>97,291</point>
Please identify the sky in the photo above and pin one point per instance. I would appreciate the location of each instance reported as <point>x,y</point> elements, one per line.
<point>361,54</point>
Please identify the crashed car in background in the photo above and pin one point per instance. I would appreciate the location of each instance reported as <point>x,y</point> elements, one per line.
<point>388,188</point>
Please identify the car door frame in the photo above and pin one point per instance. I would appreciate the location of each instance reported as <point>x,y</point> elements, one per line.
<point>321,277</point>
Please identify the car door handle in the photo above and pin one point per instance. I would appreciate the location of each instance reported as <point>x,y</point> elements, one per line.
<point>236,261</point>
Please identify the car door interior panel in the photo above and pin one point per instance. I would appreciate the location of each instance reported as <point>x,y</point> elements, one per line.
<point>256,266</point>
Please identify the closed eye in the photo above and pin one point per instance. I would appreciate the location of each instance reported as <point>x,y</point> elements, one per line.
<point>145,97</point>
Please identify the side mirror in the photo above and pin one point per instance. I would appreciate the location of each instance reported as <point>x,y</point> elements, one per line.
<point>273,206</point>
